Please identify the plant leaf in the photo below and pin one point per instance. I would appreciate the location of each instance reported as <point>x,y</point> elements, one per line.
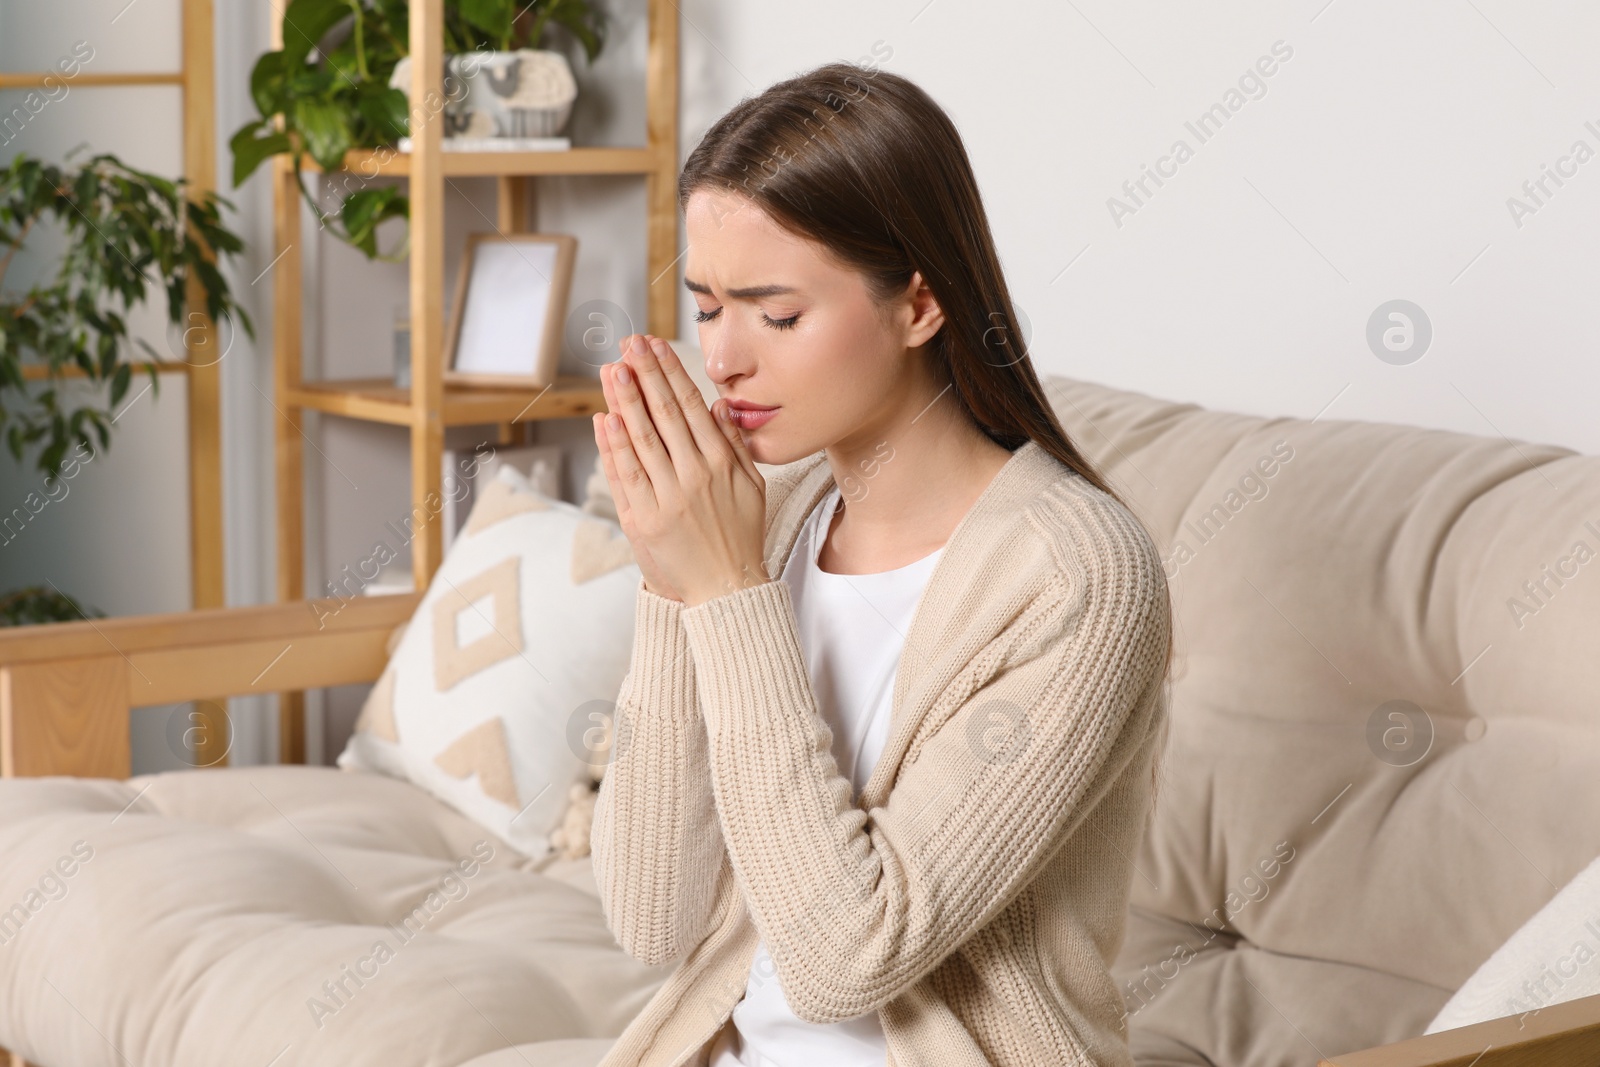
<point>325,126</point>
<point>250,151</point>
<point>268,84</point>
<point>119,382</point>
<point>365,210</point>
<point>493,17</point>
<point>388,110</point>
<point>304,24</point>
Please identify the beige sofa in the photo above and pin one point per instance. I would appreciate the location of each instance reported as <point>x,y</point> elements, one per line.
<point>1316,881</point>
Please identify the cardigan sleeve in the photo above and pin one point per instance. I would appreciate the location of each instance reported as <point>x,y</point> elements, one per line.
<point>856,906</point>
<point>655,838</point>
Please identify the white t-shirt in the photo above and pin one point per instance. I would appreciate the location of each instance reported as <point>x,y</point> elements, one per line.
<point>852,631</point>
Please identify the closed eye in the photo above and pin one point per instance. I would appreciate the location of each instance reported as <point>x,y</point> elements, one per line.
<point>776,324</point>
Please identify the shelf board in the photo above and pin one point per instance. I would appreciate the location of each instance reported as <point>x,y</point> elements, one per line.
<point>380,400</point>
<point>372,162</point>
<point>84,80</point>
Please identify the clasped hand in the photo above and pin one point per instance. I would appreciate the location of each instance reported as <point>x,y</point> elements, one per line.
<point>687,492</point>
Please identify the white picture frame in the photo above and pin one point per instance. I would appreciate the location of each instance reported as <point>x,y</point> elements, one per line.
<point>511,296</point>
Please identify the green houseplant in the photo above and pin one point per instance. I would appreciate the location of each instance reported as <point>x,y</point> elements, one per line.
<point>327,89</point>
<point>125,231</point>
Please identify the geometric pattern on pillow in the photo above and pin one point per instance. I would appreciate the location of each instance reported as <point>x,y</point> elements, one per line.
<point>598,548</point>
<point>499,630</point>
<point>499,501</point>
<point>482,751</point>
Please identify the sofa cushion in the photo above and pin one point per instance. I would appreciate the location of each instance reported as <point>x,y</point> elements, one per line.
<point>579,1052</point>
<point>521,640</point>
<point>1385,659</point>
<point>233,915</point>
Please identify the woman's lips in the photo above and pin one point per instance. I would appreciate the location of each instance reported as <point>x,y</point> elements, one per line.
<point>749,419</point>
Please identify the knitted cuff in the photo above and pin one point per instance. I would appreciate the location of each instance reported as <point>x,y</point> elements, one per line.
<point>660,678</point>
<point>729,634</point>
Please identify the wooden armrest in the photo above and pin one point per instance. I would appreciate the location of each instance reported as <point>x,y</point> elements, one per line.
<point>66,688</point>
<point>1559,1035</point>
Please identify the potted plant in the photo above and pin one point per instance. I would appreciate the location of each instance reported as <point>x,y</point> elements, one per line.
<point>124,231</point>
<point>333,87</point>
<point>37,604</point>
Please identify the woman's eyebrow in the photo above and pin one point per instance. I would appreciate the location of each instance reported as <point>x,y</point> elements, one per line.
<point>753,290</point>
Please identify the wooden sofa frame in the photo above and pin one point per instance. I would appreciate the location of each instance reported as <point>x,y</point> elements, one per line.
<point>66,691</point>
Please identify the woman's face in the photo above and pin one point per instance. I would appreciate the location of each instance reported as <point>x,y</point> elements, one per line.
<point>782,324</point>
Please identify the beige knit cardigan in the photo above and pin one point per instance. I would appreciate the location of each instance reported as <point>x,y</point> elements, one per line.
<point>974,894</point>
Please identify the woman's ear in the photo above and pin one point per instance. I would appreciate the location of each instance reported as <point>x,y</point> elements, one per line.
<point>927,317</point>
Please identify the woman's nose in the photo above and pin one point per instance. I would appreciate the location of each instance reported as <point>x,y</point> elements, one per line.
<point>721,363</point>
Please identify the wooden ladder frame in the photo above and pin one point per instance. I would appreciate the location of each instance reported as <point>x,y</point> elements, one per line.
<point>197,81</point>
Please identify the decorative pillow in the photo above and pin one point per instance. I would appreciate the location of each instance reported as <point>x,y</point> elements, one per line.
<point>1551,959</point>
<point>520,643</point>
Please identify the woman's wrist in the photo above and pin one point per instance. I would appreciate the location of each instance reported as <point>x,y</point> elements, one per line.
<point>749,577</point>
<point>665,594</point>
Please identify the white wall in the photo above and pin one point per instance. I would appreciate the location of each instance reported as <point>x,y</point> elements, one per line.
<point>1376,166</point>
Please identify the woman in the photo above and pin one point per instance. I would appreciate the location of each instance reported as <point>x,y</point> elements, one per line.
<point>889,737</point>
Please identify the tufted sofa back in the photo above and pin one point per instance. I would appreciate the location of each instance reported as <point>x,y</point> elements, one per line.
<point>1385,717</point>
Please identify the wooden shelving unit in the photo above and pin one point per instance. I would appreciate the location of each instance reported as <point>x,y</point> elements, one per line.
<point>429,405</point>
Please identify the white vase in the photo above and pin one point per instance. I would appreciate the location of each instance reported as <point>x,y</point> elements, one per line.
<point>526,93</point>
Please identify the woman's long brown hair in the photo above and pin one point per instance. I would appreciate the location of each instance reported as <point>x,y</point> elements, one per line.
<point>866,164</point>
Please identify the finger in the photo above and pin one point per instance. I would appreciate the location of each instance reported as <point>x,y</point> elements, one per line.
<point>661,400</point>
<point>618,491</point>
<point>637,488</point>
<point>619,496</point>
<point>645,443</point>
<point>632,474</point>
<point>736,441</point>
<point>666,373</point>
